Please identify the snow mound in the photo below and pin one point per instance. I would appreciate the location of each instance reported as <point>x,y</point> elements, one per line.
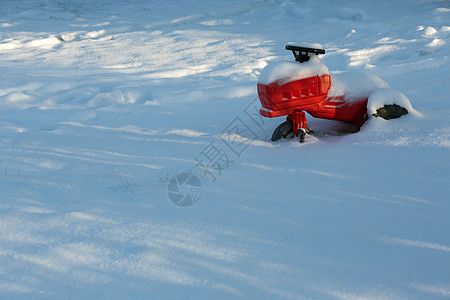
<point>355,85</point>
<point>286,71</point>
<point>386,96</point>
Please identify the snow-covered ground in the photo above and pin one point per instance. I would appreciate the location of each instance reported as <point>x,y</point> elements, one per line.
<point>103,103</point>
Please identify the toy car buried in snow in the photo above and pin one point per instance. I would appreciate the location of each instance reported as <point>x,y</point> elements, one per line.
<point>293,88</point>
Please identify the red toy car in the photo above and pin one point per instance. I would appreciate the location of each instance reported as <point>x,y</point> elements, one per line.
<point>293,88</point>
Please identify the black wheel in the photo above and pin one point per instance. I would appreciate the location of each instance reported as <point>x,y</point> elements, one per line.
<point>391,111</point>
<point>283,130</point>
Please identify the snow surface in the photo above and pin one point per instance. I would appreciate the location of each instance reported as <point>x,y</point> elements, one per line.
<point>103,102</point>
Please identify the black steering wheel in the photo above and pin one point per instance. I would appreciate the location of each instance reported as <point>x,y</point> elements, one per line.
<point>301,54</point>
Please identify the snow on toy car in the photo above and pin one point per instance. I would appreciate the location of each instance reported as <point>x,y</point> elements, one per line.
<point>293,88</point>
